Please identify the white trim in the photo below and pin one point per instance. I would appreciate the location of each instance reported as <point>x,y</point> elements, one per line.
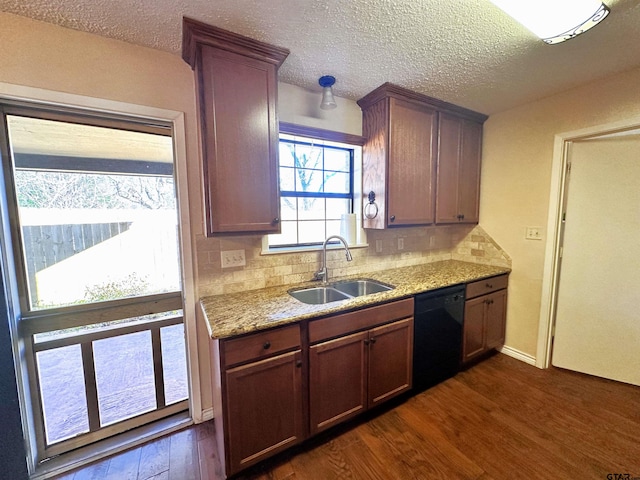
<point>302,248</point>
<point>518,355</point>
<point>188,275</point>
<point>177,119</point>
<point>208,414</point>
<point>556,199</point>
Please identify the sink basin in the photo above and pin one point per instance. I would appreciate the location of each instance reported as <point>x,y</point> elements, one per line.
<point>357,288</point>
<point>339,291</point>
<point>318,295</point>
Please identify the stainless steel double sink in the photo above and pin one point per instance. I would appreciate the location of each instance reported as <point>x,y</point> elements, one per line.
<point>336,291</point>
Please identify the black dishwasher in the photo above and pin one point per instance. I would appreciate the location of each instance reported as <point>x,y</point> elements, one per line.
<point>437,338</point>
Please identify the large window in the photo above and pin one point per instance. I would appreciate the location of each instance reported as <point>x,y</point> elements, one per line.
<point>95,246</point>
<point>94,223</point>
<point>316,189</point>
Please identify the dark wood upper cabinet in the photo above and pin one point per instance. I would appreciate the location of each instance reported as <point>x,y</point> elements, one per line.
<point>421,159</point>
<point>458,173</point>
<point>236,81</point>
<point>399,162</point>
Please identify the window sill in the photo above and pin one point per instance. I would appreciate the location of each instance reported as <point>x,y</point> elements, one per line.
<point>307,248</point>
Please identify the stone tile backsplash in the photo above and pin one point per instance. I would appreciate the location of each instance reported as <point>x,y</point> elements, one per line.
<point>421,245</point>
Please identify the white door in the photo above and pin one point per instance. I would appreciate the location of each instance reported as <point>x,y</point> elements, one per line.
<point>598,309</point>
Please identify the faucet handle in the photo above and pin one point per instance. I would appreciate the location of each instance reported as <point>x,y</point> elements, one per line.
<point>319,275</point>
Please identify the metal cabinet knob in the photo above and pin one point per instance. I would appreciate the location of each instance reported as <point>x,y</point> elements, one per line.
<point>392,218</point>
<point>275,221</point>
<point>267,345</point>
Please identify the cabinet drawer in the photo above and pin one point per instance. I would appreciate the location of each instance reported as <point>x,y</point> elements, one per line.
<point>261,344</point>
<point>359,320</point>
<point>488,285</point>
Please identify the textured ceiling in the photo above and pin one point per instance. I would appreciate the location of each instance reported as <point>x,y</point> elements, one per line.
<point>463,51</point>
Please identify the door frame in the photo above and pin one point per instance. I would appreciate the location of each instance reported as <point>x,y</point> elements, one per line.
<point>551,272</point>
<point>177,121</point>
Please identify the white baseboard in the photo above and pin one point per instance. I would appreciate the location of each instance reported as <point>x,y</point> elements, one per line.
<point>518,355</point>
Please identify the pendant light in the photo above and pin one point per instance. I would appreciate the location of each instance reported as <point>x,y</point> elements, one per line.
<point>555,21</point>
<point>328,102</point>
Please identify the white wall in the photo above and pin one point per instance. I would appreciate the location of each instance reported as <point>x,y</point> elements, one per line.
<point>302,107</point>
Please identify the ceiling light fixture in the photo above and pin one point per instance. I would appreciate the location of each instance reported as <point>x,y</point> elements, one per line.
<point>555,21</point>
<point>326,82</point>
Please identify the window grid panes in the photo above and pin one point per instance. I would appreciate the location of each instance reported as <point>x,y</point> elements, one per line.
<point>316,189</point>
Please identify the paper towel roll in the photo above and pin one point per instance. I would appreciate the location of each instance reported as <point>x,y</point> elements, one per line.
<point>348,228</point>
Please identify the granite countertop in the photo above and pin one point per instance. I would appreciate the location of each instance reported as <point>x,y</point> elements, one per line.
<point>234,314</point>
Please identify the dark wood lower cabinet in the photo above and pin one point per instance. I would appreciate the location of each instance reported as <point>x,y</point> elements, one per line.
<point>343,365</point>
<point>338,380</point>
<point>258,396</point>
<point>473,342</point>
<point>390,360</point>
<point>484,317</point>
<point>352,373</point>
<point>264,408</point>
<point>496,314</point>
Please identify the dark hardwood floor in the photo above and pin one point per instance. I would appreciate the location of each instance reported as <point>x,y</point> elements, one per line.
<point>501,419</point>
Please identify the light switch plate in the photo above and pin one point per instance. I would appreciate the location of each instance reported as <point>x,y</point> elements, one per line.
<point>232,258</point>
<point>533,233</point>
<point>400,243</point>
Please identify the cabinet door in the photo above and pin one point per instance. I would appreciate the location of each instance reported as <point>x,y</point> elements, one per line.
<point>240,142</point>
<point>263,409</point>
<point>337,373</point>
<point>449,139</point>
<point>411,164</point>
<point>473,331</point>
<point>390,360</point>
<point>495,319</point>
<point>469,172</point>
<point>458,174</point>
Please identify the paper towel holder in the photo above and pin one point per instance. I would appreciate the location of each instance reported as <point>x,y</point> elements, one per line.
<point>371,208</point>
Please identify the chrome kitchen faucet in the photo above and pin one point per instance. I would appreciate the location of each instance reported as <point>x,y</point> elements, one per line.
<point>323,273</point>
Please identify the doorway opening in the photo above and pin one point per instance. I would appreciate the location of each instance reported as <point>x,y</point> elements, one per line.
<point>562,166</point>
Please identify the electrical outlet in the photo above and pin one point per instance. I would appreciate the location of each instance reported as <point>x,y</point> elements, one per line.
<point>378,246</point>
<point>533,233</point>
<point>432,241</point>
<point>232,258</point>
<point>400,243</point>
